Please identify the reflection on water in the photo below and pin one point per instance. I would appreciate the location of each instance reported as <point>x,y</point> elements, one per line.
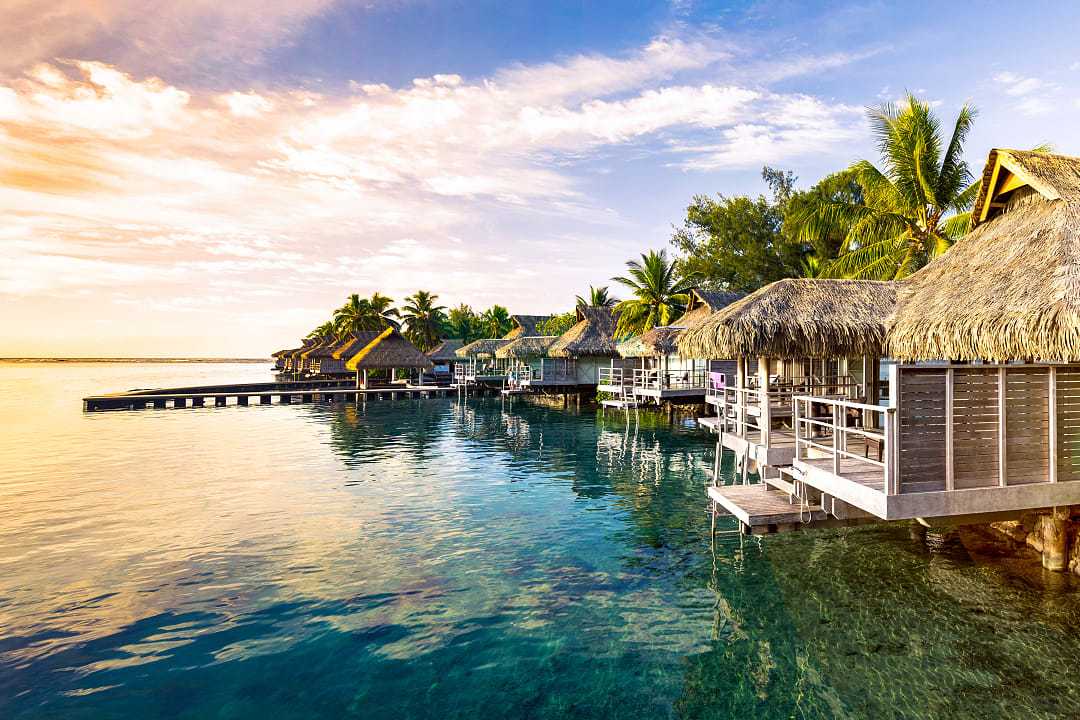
<point>437,559</point>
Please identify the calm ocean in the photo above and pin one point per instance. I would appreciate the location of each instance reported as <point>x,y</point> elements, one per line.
<point>437,559</point>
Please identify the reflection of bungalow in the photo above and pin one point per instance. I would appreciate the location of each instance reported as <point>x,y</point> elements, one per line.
<point>792,337</point>
<point>444,357</point>
<point>662,373</point>
<point>983,414</point>
<point>481,363</point>
<point>377,357</point>
<point>575,357</point>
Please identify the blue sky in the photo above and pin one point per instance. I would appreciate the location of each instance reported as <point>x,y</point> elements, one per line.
<point>213,178</point>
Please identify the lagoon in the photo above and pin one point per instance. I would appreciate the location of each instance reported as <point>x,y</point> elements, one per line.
<point>445,559</point>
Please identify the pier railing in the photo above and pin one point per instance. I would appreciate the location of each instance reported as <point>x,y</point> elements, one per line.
<point>614,376</point>
<point>856,438</point>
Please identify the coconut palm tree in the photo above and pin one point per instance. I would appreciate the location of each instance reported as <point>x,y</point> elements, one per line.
<point>496,321</point>
<point>659,294</point>
<point>914,207</point>
<point>598,297</point>
<point>362,314</point>
<point>326,331</point>
<point>383,309</point>
<point>424,320</point>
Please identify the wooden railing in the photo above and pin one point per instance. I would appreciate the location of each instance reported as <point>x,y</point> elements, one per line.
<point>614,376</point>
<point>828,426</point>
<point>670,379</point>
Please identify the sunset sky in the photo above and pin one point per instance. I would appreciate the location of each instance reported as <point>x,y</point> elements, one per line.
<point>212,178</point>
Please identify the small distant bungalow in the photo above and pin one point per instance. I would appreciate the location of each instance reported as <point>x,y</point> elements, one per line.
<point>660,372</point>
<point>793,337</point>
<point>574,359</point>
<point>525,357</point>
<point>481,363</point>
<point>377,357</point>
<point>292,362</point>
<point>444,357</point>
<point>983,419</point>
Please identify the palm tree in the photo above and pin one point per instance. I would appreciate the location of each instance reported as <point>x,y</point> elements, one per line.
<point>463,323</point>
<point>659,294</point>
<point>424,320</point>
<point>912,209</point>
<point>812,266</point>
<point>326,331</point>
<point>598,297</point>
<point>495,321</point>
<point>362,314</point>
<point>383,309</point>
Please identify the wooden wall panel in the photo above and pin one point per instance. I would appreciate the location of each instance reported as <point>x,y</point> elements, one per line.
<point>1068,423</point>
<point>975,427</point>
<point>1027,425</point>
<point>921,418</point>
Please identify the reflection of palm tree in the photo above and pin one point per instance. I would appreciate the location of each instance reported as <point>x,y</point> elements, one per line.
<point>424,319</point>
<point>659,295</point>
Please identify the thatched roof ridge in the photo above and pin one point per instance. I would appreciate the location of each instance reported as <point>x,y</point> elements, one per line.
<point>1008,290</point>
<point>1053,177</point>
<point>527,346</point>
<point>592,336</point>
<point>483,348</point>
<point>525,325</point>
<point>797,317</point>
<point>652,343</point>
<point>389,350</point>
<point>446,350</point>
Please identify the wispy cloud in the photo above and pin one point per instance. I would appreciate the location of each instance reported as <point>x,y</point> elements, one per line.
<point>112,178</point>
<point>1032,94</point>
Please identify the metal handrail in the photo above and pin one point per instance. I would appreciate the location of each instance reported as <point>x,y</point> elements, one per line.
<point>655,379</point>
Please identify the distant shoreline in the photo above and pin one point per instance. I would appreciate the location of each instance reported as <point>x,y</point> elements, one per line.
<point>130,360</point>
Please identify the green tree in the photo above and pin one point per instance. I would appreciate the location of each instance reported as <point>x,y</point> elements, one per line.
<point>324,332</point>
<point>914,207</point>
<point>598,297</point>
<point>462,322</point>
<point>737,243</point>
<point>659,294</point>
<point>495,321</point>
<point>557,324</point>
<point>424,320</point>
<point>363,314</point>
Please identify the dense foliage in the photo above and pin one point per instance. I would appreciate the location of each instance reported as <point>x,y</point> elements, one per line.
<point>658,294</point>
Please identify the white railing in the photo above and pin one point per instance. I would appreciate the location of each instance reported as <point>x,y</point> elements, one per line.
<point>670,379</point>
<point>616,376</point>
<point>552,370</point>
<point>827,426</point>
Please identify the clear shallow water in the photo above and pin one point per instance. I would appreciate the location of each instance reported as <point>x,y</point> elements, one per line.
<point>428,559</point>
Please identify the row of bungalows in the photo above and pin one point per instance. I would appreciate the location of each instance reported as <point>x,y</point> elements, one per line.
<point>477,361</point>
<point>650,366</point>
<point>374,358</point>
<point>982,415</point>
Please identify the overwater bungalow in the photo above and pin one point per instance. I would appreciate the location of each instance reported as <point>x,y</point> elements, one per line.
<point>377,360</point>
<point>658,371</point>
<point>798,336</point>
<point>481,364</point>
<point>574,359</point>
<point>444,357</point>
<point>525,356</point>
<point>983,418</point>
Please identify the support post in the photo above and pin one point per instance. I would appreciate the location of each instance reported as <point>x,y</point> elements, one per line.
<point>1055,539</point>
<point>1003,459</point>
<point>763,386</point>
<point>950,468</point>
<point>1052,461</point>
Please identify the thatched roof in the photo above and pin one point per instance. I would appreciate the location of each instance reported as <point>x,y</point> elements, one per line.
<point>483,348</point>
<point>592,336</point>
<point>389,350</point>
<point>1010,289</point>
<point>527,346</point>
<point>355,344</point>
<point>663,340</point>
<point>445,351</point>
<point>525,325</point>
<point>797,317</point>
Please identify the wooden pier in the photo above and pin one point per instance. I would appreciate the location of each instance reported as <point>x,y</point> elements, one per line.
<point>244,395</point>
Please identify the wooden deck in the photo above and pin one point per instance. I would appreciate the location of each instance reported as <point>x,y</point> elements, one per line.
<point>760,508</point>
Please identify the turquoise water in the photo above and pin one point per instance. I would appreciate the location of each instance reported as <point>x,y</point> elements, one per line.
<point>432,559</point>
